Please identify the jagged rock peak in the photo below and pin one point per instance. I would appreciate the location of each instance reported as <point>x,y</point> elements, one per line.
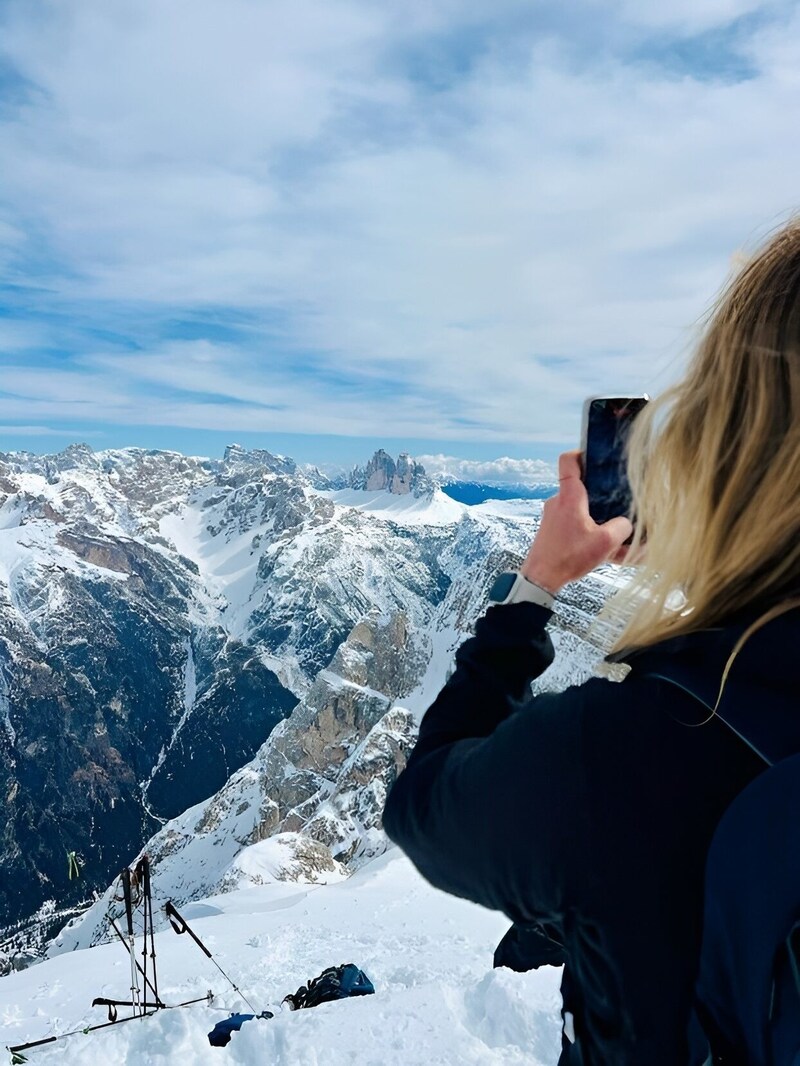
<point>72,457</point>
<point>382,473</point>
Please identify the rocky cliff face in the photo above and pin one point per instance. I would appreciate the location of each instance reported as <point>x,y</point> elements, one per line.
<point>315,789</point>
<point>123,698</point>
<point>383,474</point>
<point>223,636</point>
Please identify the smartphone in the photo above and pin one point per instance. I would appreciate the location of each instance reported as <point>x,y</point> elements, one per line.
<point>607,422</point>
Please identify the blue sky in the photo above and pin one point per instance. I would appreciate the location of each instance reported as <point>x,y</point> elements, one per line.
<point>321,226</point>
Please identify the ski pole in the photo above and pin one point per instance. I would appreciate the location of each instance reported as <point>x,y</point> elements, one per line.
<point>126,890</point>
<point>143,873</point>
<point>148,984</point>
<point>180,926</point>
<point>16,1048</point>
<point>112,1004</point>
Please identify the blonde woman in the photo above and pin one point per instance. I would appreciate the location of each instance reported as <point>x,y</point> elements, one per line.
<point>586,816</point>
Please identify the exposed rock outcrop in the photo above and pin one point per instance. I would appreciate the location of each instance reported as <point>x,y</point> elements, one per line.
<point>318,784</point>
<point>383,474</point>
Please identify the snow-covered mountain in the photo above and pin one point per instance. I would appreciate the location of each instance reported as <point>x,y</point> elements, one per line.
<point>218,654</point>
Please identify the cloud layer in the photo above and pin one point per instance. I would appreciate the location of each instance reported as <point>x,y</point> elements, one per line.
<point>503,471</point>
<point>441,220</point>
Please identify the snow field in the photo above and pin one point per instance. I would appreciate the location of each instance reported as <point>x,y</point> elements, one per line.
<point>435,510</point>
<point>437,999</point>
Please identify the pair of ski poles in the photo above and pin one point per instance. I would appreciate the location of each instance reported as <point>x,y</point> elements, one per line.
<point>141,1007</point>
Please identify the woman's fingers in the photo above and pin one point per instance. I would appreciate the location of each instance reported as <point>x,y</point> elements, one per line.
<point>569,465</point>
<point>569,544</point>
<point>618,530</point>
<point>570,479</point>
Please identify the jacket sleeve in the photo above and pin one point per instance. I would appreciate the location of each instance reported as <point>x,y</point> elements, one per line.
<point>491,804</point>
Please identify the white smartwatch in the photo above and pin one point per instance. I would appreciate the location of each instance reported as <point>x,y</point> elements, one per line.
<point>515,588</point>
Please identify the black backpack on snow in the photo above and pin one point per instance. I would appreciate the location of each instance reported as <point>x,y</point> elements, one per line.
<point>337,982</point>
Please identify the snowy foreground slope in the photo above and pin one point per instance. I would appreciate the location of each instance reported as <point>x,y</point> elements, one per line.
<point>437,999</point>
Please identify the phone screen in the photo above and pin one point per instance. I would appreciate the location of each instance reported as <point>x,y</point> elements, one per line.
<point>607,425</point>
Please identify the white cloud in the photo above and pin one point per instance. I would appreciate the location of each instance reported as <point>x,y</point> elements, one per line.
<point>39,431</point>
<point>686,16</point>
<point>503,471</point>
<point>548,222</point>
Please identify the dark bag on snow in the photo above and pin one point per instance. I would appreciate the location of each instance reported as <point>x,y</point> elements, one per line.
<point>220,1035</point>
<point>337,982</point>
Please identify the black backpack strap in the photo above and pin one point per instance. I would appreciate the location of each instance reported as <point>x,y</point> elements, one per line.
<point>771,737</point>
<point>713,710</point>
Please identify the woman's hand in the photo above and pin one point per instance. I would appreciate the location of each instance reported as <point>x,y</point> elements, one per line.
<point>569,544</point>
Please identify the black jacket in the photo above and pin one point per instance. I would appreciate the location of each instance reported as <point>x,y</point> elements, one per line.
<point>591,810</point>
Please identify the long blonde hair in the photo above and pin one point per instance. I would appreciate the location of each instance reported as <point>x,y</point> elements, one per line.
<point>714,464</point>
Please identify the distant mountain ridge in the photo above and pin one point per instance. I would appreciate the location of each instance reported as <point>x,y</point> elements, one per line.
<point>475,492</point>
<point>406,474</point>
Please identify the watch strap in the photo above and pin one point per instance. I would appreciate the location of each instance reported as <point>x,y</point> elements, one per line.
<point>521,591</point>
